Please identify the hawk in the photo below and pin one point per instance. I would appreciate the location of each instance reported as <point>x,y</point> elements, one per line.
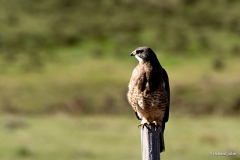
<point>149,93</point>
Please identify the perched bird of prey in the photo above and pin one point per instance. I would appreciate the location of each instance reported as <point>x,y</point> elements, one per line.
<point>149,93</point>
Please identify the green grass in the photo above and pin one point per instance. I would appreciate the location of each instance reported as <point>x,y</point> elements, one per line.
<point>55,59</point>
<point>76,83</point>
<point>113,137</point>
<point>55,56</point>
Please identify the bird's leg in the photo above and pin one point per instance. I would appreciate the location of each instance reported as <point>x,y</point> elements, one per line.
<point>143,123</point>
<point>156,124</point>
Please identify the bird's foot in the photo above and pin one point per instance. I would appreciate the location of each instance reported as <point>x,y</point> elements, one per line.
<point>156,124</point>
<point>143,124</point>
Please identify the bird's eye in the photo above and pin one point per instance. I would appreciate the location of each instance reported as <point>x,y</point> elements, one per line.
<point>139,51</point>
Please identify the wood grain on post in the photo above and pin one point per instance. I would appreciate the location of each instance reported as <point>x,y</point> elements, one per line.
<point>150,141</point>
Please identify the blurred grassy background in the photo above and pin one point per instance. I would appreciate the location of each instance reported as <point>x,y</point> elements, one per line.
<point>97,137</point>
<point>71,58</point>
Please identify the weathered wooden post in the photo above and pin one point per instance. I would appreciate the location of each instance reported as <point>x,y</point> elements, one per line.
<point>150,141</point>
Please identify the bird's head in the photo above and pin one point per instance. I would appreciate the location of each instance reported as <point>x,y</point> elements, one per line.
<point>144,54</point>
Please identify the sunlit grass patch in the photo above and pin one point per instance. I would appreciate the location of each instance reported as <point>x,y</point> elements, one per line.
<point>76,84</point>
<point>115,137</point>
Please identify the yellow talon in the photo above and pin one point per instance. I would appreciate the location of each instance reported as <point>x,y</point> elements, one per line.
<point>143,124</point>
<point>140,125</point>
<point>155,123</point>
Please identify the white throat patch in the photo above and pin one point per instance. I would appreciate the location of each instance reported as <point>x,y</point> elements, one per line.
<point>138,58</point>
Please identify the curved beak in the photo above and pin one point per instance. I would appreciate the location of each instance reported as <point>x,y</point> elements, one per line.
<point>133,53</point>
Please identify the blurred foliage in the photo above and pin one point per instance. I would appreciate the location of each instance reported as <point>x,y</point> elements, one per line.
<point>179,27</point>
<point>79,86</point>
<point>70,59</point>
<point>58,55</point>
